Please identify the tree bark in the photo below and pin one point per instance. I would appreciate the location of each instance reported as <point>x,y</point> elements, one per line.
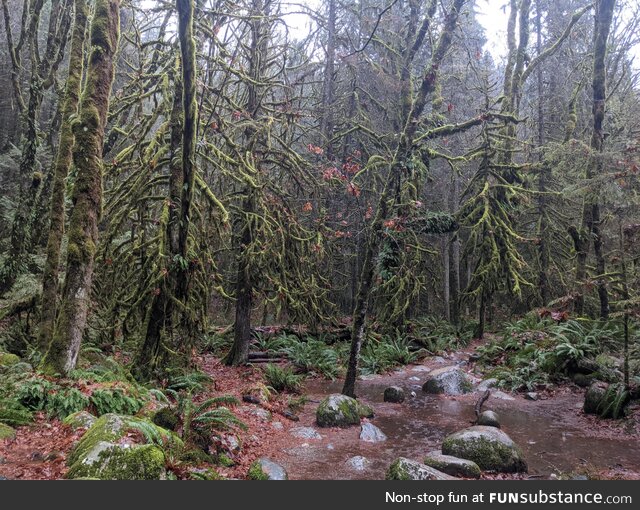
<point>61,168</point>
<point>88,130</point>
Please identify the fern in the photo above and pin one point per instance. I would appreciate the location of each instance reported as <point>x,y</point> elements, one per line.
<point>282,379</point>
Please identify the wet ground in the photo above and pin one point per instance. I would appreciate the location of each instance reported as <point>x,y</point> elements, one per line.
<point>553,432</point>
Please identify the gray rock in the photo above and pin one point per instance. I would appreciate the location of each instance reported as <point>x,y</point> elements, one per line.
<point>80,420</point>
<point>583,380</point>
<point>447,380</point>
<point>394,394</point>
<point>276,425</point>
<point>452,465</point>
<point>474,356</point>
<point>489,419</point>
<point>489,447</point>
<point>358,463</point>
<point>501,395</point>
<point>414,378</point>
<point>421,368</point>
<point>532,395</point>
<point>439,359</point>
<point>606,400</point>
<point>305,433</point>
<point>407,469</point>
<point>371,434</point>
<point>266,469</point>
<point>341,411</point>
<point>487,384</point>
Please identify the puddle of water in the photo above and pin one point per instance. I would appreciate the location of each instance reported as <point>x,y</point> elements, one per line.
<point>549,441</point>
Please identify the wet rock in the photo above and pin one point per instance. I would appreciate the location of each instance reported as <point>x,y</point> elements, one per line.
<point>80,420</point>
<point>7,432</point>
<point>266,469</point>
<point>371,434</point>
<point>305,433</point>
<point>394,394</point>
<point>531,395</point>
<point>447,380</point>
<point>452,465</point>
<point>489,419</point>
<point>407,469</point>
<point>487,384</point>
<point>341,411</point>
<point>108,461</point>
<point>358,463</point>
<point>489,447</point>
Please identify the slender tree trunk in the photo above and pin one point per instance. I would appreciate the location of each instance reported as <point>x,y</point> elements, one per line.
<point>326,122</point>
<point>591,221</point>
<point>61,168</point>
<point>87,193</point>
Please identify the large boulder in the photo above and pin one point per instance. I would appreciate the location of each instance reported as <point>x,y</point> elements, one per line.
<point>407,469</point>
<point>447,380</point>
<point>489,447</point>
<point>112,428</point>
<point>341,411</point>
<point>452,465</point>
<point>109,461</point>
<point>266,469</point>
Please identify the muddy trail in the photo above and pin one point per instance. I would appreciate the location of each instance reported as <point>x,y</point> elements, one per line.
<point>553,432</point>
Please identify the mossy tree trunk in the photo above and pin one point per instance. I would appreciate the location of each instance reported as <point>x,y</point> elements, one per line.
<point>61,168</point>
<point>164,315</point>
<point>591,217</point>
<point>413,106</point>
<point>88,130</point>
<point>239,353</point>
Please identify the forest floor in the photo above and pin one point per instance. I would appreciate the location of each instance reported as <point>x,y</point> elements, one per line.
<point>554,432</point>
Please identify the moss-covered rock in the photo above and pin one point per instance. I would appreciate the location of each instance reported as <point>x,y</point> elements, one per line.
<point>338,411</point>
<point>6,432</point>
<point>110,428</point>
<point>109,461</point>
<point>407,469</point>
<point>394,394</point>
<point>7,359</point>
<point>167,418</point>
<point>490,448</point>
<point>266,469</point>
<point>80,420</point>
<point>452,465</point>
<point>448,381</point>
<point>606,400</point>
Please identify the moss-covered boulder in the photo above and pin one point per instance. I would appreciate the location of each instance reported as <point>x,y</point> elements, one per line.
<point>266,469</point>
<point>109,461</point>
<point>606,400</point>
<point>6,432</point>
<point>448,381</point>
<point>111,428</point>
<point>80,420</point>
<point>341,411</point>
<point>407,469</point>
<point>490,448</point>
<point>394,394</point>
<point>167,418</point>
<point>7,359</point>
<point>452,465</point>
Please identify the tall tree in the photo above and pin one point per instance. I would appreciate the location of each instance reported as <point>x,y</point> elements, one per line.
<point>88,131</point>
